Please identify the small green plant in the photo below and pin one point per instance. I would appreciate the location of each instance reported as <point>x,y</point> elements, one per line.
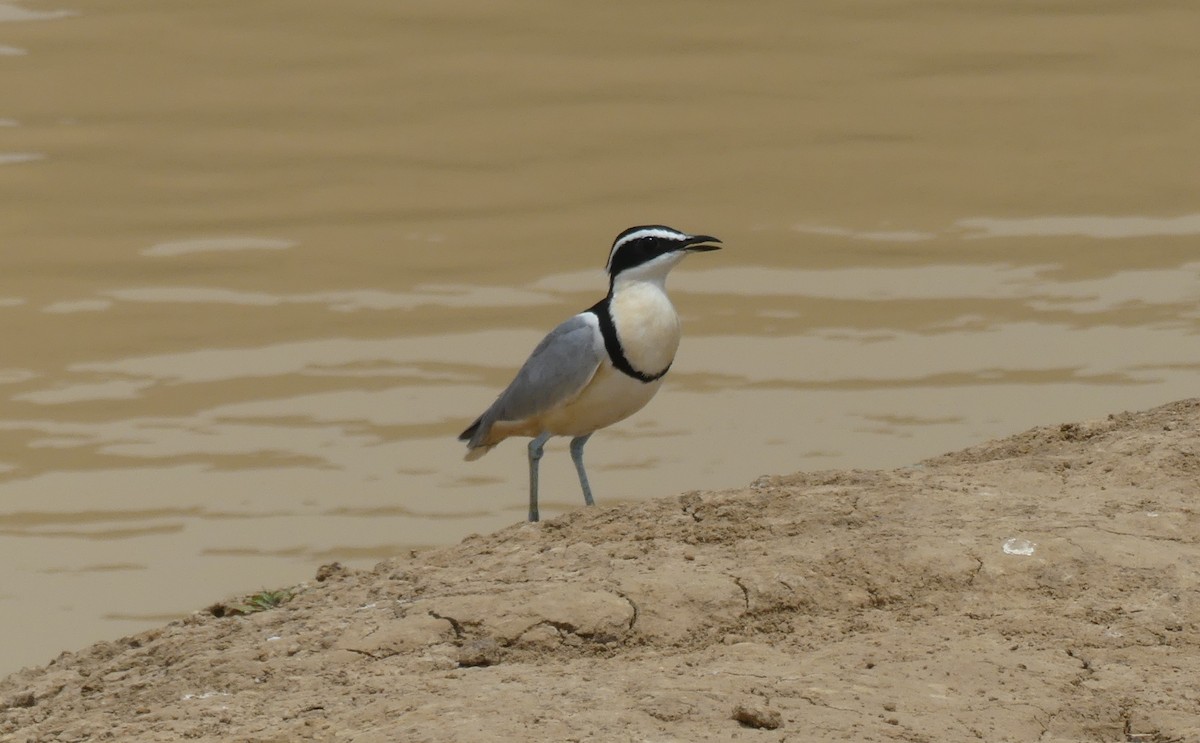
<point>254,603</point>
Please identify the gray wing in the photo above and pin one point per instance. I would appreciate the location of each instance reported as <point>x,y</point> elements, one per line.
<point>557,370</point>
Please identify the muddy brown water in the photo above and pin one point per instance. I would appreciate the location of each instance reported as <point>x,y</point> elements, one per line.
<point>261,262</point>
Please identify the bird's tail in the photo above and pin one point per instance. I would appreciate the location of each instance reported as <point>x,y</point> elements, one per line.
<point>468,434</point>
<point>475,449</point>
<point>477,452</point>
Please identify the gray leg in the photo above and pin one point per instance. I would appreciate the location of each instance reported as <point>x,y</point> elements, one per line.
<point>535,454</point>
<point>577,457</point>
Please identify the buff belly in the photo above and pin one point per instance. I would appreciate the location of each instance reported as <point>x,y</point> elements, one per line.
<point>610,397</point>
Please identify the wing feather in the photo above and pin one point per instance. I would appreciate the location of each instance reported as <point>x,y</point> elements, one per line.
<point>555,373</point>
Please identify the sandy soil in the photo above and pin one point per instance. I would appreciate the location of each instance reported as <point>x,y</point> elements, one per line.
<point>1042,587</point>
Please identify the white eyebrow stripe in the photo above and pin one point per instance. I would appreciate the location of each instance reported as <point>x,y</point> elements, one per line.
<point>649,232</point>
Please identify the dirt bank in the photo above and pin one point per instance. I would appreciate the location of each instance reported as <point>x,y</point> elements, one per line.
<point>1042,587</point>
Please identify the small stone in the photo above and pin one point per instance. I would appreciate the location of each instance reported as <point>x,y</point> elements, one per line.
<point>758,716</point>
<point>330,570</point>
<point>24,699</point>
<point>484,651</point>
<point>541,636</point>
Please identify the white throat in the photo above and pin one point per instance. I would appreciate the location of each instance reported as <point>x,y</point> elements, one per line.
<point>652,272</point>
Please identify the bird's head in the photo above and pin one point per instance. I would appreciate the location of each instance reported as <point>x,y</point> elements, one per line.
<point>648,252</point>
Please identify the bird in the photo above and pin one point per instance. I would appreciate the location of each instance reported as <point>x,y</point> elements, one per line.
<point>600,366</point>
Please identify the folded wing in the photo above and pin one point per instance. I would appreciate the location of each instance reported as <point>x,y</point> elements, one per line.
<point>554,375</point>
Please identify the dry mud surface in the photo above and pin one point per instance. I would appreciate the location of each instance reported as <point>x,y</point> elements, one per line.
<point>1038,588</point>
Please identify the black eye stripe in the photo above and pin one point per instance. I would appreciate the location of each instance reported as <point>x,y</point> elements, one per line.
<point>639,237</point>
<point>639,251</point>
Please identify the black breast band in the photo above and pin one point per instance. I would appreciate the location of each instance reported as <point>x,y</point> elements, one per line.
<point>612,344</point>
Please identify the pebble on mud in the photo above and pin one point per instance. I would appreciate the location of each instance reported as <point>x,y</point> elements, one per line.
<point>483,651</point>
<point>24,699</point>
<point>758,716</point>
<point>330,570</point>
